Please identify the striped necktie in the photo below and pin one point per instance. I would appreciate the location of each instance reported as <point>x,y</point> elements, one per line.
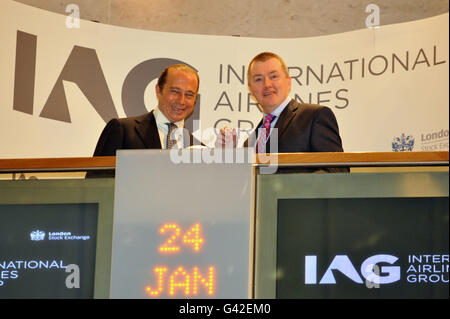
<point>171,142</point>
<point>264,133</point>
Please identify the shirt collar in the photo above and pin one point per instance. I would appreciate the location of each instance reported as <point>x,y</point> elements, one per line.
<point>281,107</point>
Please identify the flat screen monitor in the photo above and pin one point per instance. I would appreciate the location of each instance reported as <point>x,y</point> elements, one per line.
<point>48,250</point>
<point>363,248</point>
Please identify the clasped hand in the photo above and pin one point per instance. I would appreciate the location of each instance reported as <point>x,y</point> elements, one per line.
<point>227,137</point>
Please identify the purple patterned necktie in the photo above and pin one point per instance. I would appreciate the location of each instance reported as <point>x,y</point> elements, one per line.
<point>264,133</point>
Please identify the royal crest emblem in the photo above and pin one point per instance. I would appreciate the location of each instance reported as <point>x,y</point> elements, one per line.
<point>37,235</point>
<point>403,143</point>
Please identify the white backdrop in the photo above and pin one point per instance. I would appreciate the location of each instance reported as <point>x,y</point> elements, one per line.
<point>384,84</point>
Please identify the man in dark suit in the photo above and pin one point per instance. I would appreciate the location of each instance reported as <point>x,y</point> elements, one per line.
<point>299,127</point>
<point>176,92</point>
<point>161,128</point>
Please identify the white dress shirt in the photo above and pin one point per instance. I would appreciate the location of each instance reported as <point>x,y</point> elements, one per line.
<point>163,129</point>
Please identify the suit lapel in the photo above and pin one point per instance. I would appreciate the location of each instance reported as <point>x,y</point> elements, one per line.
<point>285,118</point>
<point>147,130</point>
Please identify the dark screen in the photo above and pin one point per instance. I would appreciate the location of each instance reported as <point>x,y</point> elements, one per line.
<point>406,235</point>
<point>32,266</point>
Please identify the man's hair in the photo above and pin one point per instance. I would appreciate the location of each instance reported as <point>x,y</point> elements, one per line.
<point>183,67</point>
<point>263,57</point>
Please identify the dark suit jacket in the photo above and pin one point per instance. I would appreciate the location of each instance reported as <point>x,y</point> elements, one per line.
<point>137,132</point>
<point>305,128</point>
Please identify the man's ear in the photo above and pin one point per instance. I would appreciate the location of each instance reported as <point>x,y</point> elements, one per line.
<point>158,91</point>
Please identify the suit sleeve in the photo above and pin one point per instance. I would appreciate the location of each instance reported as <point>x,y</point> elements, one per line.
<point>325,132</point>
<point>110,140</point>
<point>325,137</point>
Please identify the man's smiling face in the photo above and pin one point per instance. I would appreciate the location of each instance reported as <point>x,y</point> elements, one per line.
<point>269,83</point>
<point>176,99</point>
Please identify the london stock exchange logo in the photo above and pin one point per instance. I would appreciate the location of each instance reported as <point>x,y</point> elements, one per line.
<point>403,143</point>
<point>37,235</point>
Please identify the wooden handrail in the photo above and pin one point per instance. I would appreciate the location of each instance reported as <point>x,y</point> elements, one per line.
<point>57,164</point>
<point>364,158</point>
<point>289,159</point>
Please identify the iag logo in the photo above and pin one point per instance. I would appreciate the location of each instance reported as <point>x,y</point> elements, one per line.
<point>369,270</point>
<point>83,68</point>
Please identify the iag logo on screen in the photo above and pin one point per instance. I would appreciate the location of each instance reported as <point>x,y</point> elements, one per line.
<point>383,269</point>
<point>369,270</point>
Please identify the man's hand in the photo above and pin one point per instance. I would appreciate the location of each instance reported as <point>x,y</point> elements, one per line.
<point>227,137</point>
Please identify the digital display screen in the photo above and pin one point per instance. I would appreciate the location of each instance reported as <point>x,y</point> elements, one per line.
<point>183,259</point>
<point>363,248</point>
<point>184,236</point>
<point>182,280</point>
<point>48,250</point>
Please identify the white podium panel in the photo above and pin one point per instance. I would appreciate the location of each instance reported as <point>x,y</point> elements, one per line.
<point>181,230</point>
